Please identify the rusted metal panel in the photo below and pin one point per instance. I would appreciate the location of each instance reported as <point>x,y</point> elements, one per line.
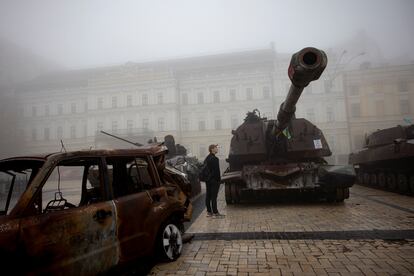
<point>133,232</point>
<point>78,241</point>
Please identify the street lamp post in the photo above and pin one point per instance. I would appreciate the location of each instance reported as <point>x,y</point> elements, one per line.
<point>347,103</point>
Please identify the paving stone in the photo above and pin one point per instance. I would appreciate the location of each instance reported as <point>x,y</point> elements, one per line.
<point>367,212</point>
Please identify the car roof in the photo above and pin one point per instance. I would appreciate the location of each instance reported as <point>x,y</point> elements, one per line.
<point>154,149</point>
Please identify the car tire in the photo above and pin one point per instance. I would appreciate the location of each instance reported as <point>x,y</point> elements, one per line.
<point>169,241</point>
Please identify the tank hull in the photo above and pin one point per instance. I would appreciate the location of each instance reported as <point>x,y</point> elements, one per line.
<point>388,167</point>
<point>288,181</point>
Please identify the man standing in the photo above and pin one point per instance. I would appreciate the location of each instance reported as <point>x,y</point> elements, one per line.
<point>213,182</point>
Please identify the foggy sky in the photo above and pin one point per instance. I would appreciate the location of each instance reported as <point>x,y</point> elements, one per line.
<point>81,33</point>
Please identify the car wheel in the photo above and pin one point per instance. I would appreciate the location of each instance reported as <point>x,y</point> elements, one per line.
<point>170,242</point>
<point>381,180</point>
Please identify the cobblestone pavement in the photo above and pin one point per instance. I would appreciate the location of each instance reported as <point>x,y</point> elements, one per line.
<point>356,213</point>
<point>228,252</point>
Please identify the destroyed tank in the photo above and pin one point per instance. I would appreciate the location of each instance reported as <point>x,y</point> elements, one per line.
<point>386,160</point>
<point>177,157</point>
<point>271,159</point>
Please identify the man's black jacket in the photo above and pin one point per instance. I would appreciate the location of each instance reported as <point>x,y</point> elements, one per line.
<point>214,167</point>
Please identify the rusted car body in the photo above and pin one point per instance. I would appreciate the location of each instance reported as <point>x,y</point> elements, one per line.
<point>85,212</point>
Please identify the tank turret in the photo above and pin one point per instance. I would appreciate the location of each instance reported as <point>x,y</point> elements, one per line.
<point>285,154</point>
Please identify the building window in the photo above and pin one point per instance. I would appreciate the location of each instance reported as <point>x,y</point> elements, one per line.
<point>402,86</point>
<point>310,114</point>
<point>328,86</point>
<point>114,126</point>
<point>34,111</point>
<point>202,150</point>
<point>144,99</point>
<point>46,133</point>
<point>249,93</point>
<point>379,108</point>
<point>73,132</point>
<point>100,103</point>
<point>59,132</point>
<point>266,92</point>
<point>160,124</point>
<point>47,111</point>
<point>184,98</point>
<point>330,114</point>
<point>331,142</point>
<point>129,100</point>
<point>216,97</point>
<point>145,123</point>
<point>73,108</point>
<point>114,102</point>
<point>99,126</point>
<point>34,134</point>
<point>201,125</point>
<point>358,141</point>
<point>353,90</point>
<point>355,110</point>
<point>200,98</point>
<point>130,125</point>
<point>378,88</point>
<point>160,98</point>
<point>404,107</point>
<point>186,124</point>
<point>217,123</point>
<point>232,95</point>
<point>234,122</point>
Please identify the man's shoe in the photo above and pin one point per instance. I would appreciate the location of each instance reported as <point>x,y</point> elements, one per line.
<point>209,214</point>
<point>218,215</point>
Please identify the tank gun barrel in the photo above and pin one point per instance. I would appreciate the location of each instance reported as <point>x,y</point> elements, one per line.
<point>305,66</point>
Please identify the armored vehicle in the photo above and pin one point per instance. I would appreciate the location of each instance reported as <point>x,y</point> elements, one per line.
<point>387,160</point>
<point>272,158</point>
<point>177,157</point>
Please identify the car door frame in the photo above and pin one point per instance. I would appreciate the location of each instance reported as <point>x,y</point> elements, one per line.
<point>79,240</point>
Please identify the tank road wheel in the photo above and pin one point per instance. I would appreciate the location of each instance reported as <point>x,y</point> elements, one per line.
<point>366,179</point>
<point>382,182</point>
<point>235,193</point>
<point>373,180</point>
<point>340,195</point>
<point>391,182</point>
<point>360,178</point>
<point>346,193</point>
<point>227,192</point>
<point>402,183</point>
<point>411,184</point>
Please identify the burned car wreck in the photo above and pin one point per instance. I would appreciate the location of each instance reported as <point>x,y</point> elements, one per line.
<point>86,212</point>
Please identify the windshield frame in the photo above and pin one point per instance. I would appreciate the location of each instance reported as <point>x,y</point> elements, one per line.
<point>12,167</point>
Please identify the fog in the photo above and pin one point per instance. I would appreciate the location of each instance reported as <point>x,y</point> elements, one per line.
<point>83,34</point>
<point>111,55</point>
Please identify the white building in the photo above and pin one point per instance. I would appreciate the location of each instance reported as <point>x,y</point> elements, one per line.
<point>198,100</point>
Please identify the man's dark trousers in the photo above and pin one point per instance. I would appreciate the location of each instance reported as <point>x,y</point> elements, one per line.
<point>212,188</point>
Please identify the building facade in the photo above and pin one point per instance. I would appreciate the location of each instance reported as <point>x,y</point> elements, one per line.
<point>200,100</point>
<point>378,98</point>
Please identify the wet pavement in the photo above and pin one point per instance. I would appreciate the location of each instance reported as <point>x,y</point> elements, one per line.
<point>371,233</point>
